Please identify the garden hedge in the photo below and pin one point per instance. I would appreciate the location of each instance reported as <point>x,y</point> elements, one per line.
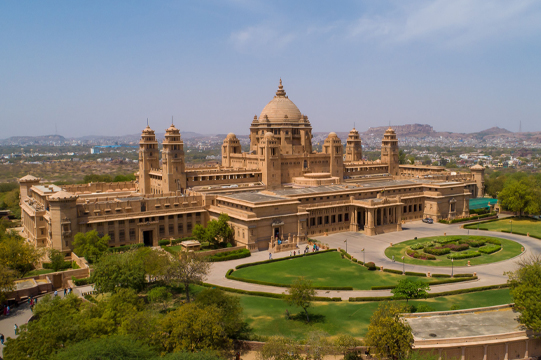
<point>81,282</point>
<point>437,282</point>
<point>65,265</point>
<point>370,266</point>
<point>467,219</point>
<point>433,295</point>
<point>490,249</point>
<point>265,294</point>
<point>441,275</point>
<point>230,255</point>
<point>282,259</point>
<point>393,271</point>
<point>411,273</point>
<point>465,255</point>
<point>436,251</point>
<point>164,242</point>
<point>125,247</point>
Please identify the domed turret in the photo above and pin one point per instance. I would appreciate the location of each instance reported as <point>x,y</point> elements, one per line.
<point>281,109</point>
<point>354,149</point>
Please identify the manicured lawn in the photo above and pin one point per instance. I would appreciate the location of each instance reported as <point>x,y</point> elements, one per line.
<point>39,272</point>
<point>522,225</point>
<point>509,249</point>
<point>267,316</point>
<point>326,269</point>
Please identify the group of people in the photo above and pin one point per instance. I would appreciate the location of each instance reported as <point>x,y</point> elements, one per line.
<point>31,301</point>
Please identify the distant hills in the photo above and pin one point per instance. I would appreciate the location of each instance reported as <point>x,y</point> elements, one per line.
<point>408,130</point>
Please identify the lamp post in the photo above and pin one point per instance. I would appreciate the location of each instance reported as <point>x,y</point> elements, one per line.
<point>364,256</point>
<point>403,266</point>
<point>346,241</point>
<point>452,268</point>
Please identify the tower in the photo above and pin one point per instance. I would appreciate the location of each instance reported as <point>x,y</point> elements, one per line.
<point>389,151</point>
<point>173,171</point>
<point>354,149</point>
<point>230,146</point>
<point>478,172</point>
<point>269,160</point>
<point>333,147</point>
<point>148,159</point>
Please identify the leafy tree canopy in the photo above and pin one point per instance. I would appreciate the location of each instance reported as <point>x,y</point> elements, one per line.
<point>301,294</point>
<point>118,347</point>
<point>216,231</point>
<point>90,245</point>
<point>525,284</point>
<point>410,289</point>
<point>387,334</point>
<point>115,271</point>
<point>17,254</point>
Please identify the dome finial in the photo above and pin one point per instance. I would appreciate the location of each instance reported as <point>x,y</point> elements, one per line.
<point>281,92</point>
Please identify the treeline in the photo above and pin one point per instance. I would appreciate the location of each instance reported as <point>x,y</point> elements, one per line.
<point>9,198</point>
<point>519,192</point>
<point>90,178</point>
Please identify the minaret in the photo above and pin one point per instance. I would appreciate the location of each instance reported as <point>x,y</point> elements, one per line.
<point>148,159</point>
<point>354,148</point>
<point>173,169</point>
<point>231,145</point>
<point>389,151</point>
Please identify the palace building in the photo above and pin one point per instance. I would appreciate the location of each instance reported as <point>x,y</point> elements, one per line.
<point>280,188</point>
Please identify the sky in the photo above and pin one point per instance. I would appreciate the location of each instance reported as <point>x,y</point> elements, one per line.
<point>104,67</point>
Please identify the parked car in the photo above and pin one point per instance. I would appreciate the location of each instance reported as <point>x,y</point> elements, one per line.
<point>428,221</point>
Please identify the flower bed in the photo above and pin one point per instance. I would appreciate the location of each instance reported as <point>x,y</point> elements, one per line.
<point>464,255</point>
<point>489,249</point>
<point>457,247</point>
<point>438,251</point>
<point>418,255</point>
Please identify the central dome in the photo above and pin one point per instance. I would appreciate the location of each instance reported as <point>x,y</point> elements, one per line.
<point>280,109</point>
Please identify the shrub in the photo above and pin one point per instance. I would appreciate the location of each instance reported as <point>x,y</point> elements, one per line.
<point>81,282</point>
<point>437,251</point>
<point>489,249</point>
<point>178,241</point>
<point>455,247</point>
<point>370,265</point>
<point>65,265</point>
<point>230,255</point>
<point>164,242</point>
<point>411,273</point>
<point>125,247</point>
<point>464,255</point>
<point>422,256</point>
<point>420,246</point>
<point>475,217</point>
<point>441,275</point>
<point>475,243</point>
<point>463,275</point>
<point>393,271</point>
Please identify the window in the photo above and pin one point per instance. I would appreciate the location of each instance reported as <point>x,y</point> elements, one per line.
<point>189,227</point>
<point>171,229</point>
<point>171,217</point>
<point>326,220</point>
<point>132,234</point>
<point>339,217</point>
<point>346,217</point>
<point>333,219</point>
<point>162,230</point>
<point>312,222</point>
<point>121,235</point>
<point>180,228</point>
<point>112,235</point>
<point>319,220</point>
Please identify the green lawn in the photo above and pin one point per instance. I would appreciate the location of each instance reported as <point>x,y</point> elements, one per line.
<point>326,269</point>
<point>519,225</point>
<point>39,272</point>
<point>509,249</point>
<point>267,316</point>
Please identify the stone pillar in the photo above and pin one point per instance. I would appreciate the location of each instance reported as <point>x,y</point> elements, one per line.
<point>526,351</point>
<point>485,353</point>
<point>506,357</point>
<point>176,226</point>
<point>289,237</point>
<point>463,356</point>
<point>439,354</point>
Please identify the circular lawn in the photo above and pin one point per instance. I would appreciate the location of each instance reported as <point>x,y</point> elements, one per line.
<point>440,250</point>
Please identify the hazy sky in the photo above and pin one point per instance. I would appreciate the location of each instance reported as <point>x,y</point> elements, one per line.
<point>103,67</point>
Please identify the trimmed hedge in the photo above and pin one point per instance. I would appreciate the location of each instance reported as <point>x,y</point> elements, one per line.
<point>65,265</point>
<point>437,251</point>
<point>465,255</point>
<point>441,276</point>
<point>164,242</point>
<point>475,217</point>
<point>422,256</point>
<point>437,282</point>
<point>411,273</point>
<point>81,282</point>
<point>489,249</point>
<point>463,275</point>
<point>178,241</point>
<point>399,272</point>
<point>370,266</point>
<point>281,259</point>
<point>459,247</point>
<point>265,294</point>
<point>230,255</point>
<point>125,247</point>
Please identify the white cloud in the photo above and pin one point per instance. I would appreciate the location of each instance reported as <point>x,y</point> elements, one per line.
<point>451,22</point>
<point>261,38</point>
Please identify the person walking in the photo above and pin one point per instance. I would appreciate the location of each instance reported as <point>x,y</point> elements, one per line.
<point>2,338</point>
<point>55,293</point>
<point>270,256</point>
<point>16,328</point>
<point>65,292</point>
<point>7,310</point>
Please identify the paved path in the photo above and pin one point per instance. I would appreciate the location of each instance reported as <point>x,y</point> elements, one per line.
<point>489,274</point>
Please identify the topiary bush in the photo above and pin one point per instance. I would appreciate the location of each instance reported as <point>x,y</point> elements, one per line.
<point>489,249</point>
<point>464,255</point>
<point>370,265</point>
<point>437,251</point>
<point>422,256</point>
<point>164,242</point>
<point>230,255</point>
<point>457,247</point>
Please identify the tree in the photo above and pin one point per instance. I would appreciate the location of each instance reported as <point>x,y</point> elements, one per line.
<point>216,231</point>
<point>90,245</point>
<point>521,196</point>
<point>525,284</point>
<point>56,258</point>
<point>156,263</point>
<point>192,327</point>
<point>7,281</point>
<point>411,159</point>
<point>17,254</point>
<point>188,269</point>
<point>114,271</point>
<point>387,334</point>
<point>346,344</point>
<point>160,295</point>
<point>301,294</point>
<point>230,309</point>
<point>200,355</point>
<point>401,157</point>
<point>318,345</point>
<point>118,347</point>
<point>410,289</point>
<point>280,348</point>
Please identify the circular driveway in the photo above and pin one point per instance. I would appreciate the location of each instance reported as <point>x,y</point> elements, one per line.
<point>489,274</point>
